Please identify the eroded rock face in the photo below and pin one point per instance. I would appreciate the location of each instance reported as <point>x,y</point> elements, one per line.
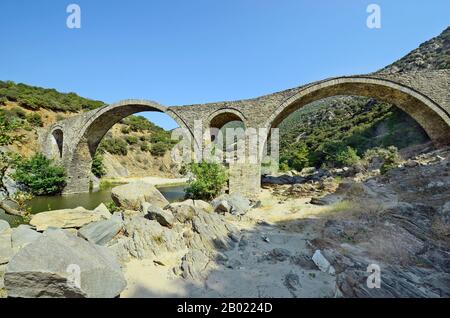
<point>131,196</point>
<point>101,232</point>
<point>147,238</point>
<point>164,217</point>
<point>49,267</point>
<point>22,236</point>
<point>67,218</point>
<point>6,250</point>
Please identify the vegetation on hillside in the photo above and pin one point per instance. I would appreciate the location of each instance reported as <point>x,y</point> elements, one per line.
<point>34,98</point>
<point>337,131</point>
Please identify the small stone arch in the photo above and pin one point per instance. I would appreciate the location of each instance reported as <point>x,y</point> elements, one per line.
<point>57,141</point>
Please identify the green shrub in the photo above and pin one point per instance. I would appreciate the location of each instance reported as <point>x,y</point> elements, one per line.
<point>207,180</point>
<point>339,155</point>
<point>3,100</point>
<point>115,146</point>
<point>40,175</point>
<point>300,158</point>
<point>389,157</point>
<point>125,130</point>
<point>131,140</point>
<point>18,112</point>
<point>145,147</point>
<point>158,149</point>
<point>35,120</point>
<point>98,169</point>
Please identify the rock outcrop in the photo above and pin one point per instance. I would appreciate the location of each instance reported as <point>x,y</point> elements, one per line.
<point>59,264</point>
<point>130,196</point>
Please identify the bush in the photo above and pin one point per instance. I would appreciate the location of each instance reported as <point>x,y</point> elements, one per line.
<point>158,149</point>
<point>115,146</point>
<point>3,100</point>
<point>207,180</point>
<point>300,158</point>
<point>339,155</point>
<point>35,120</point>
<point>18,112</point>
<point>388,158</point>
<point>138,123</point>
<point>131,140</point>
<point>40,175</point>
<point>125,130</point>
<point>145,147</point>
<point>98,169</point>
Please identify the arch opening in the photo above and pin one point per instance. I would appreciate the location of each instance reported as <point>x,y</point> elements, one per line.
<point>57,142</point>
<point>114,134</point>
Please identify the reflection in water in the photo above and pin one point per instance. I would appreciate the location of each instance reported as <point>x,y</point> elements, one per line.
<point>87,200</point>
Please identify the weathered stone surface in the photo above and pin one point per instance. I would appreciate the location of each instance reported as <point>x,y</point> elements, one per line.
<point>22,236</point>
<point>322,263</point>
<point>148,238</point>
<point>131,196</point>
<point>67,218</point>
<point>4,225</point>
<point>212,233</point>
<point>234,203</point>
<point>48,266</point>
<point>103,211</point>
<point>193,265</point>
<point>6,251</point>
<point>164,217</point>
<point>203,205</point>
<point>101,232</point>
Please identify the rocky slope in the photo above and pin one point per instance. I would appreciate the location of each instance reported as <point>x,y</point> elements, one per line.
<point>364,123</point>
<point>430,55</point>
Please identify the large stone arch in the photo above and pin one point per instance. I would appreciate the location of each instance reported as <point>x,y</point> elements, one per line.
<point>434,119</point>
<point>89,129</point>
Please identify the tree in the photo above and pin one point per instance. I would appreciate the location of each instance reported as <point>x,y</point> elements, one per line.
<point>207,180</point>
<point>40,175</point>
<point>98,169</point>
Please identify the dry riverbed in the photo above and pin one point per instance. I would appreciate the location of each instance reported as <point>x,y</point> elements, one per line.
<point>270,261</point>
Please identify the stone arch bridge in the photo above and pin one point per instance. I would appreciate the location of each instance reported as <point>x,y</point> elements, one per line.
<point>423,95</point>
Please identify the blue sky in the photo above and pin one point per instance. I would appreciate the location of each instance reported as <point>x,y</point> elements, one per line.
<point>196,51</point>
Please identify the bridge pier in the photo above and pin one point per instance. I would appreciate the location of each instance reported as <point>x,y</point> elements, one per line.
<point>245,178</point>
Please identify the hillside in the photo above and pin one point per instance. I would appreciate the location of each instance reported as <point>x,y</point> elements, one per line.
<point>133,147</point>
<point>430,55</point>
<point>358,122</point>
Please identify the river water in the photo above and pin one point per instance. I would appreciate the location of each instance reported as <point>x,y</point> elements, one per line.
<point>87,200</point>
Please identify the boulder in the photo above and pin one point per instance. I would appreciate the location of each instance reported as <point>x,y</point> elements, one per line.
<point>22,236</point>
<point>130,196</point>
<point>234,203</point>
<point>165,218</point>
<point>59,264</point>
<point>101,232</point>
<point>6,251</point>
<point>103,211</point>
<point>322,263</point>
<point>67,218</point>
<point>203,205</point>
<point>4,225</point>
